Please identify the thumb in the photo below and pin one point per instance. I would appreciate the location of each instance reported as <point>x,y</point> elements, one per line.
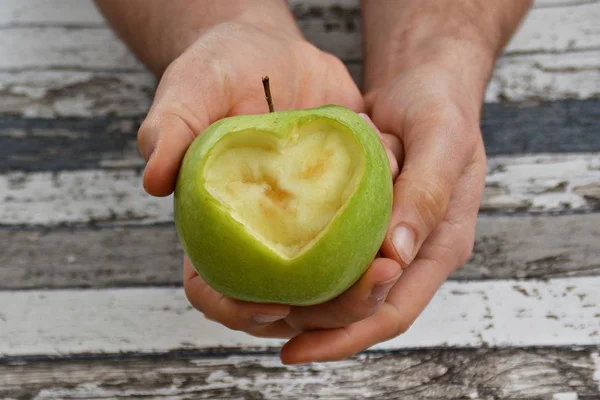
<point>434,160</point>
<point>180,112</point>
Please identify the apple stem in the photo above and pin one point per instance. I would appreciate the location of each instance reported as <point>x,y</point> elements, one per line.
<point>267,87</point>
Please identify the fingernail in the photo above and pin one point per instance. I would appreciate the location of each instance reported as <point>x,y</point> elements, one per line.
<point>263,319</point>
<point>404,242</point>
<point>381,290</point>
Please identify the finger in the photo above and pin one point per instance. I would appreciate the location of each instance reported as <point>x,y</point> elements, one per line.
<point>446,248</point>
<point>411,294</point>
<point>392,145</point>
<point>436,154</point>
<point>181,111</point>
<point>359,302</point>
<point>234,314</point>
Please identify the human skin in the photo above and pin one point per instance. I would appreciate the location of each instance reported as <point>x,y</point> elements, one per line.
<point>427,63</point>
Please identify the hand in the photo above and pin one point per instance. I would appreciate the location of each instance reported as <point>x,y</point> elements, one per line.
<point>427,63</point>
<point>219,75</point>
<point>436,200</point>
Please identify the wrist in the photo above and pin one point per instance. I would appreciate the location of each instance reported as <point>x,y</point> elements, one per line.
<point>462,37</point>
<point>466,59</point>
<point>159,31</point>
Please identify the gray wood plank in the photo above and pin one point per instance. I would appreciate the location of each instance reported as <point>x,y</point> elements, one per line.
<point>80,143</point>
<point>538,247</point>
<point>532,374</point>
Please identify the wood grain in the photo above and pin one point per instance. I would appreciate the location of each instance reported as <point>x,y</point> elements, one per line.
<point>532,374</point>
<point>75,93</point>
<point>506,247</point>
<point>61,60</point>
<point>567,126</point>
<point>494,313</point>
<point>83,93</point>
<point>332,25</point>
<point>540,183</point>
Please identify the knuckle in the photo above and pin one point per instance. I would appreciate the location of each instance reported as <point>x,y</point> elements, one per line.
<point>430,201</point>
<point>350,312</point>
<point>402,326</point>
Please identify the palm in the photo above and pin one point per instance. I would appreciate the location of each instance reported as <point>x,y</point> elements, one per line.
<point>424,102</point>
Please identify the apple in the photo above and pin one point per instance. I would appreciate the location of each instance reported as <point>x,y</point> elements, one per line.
<point>287,207</point>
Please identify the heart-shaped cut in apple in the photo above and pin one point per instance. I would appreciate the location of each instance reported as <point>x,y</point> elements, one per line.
<point>287,207</point>
<point>285,191</point>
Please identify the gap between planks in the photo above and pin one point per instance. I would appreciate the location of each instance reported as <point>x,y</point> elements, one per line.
<point>509,313</point>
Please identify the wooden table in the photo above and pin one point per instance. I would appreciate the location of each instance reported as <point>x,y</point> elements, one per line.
<point>90,298</point>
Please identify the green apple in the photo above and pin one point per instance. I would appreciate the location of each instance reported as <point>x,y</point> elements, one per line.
<point>288,207</point>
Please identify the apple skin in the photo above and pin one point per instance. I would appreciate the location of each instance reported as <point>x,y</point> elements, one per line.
<point>238,265</point>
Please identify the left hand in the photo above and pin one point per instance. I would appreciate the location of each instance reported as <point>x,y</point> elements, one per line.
<point>436,200</point>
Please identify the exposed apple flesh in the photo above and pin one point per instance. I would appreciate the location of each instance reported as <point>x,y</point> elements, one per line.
<point>285,192</point>
<point>287,207</point>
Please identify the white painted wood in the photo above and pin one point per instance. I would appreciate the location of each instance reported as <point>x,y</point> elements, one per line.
<point>65,93</point>
<point>68,93</point>
<point>81,196</point>
<point>534,183</point>
<point>559,312</point>
<point>59,59</point>
<point>48,12</point>
<point>56,46</point>
<point>545,77</point>
<point>43,48</point>
<point>558,29</point>
<point>542,182</point>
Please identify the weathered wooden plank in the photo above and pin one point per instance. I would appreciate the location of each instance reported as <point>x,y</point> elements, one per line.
<point>82,93</point>
<point>534,247</point>
<point>335,30</point>
<point>537,184</point>
<point>96,55</point>
<point>542,77</point>
<point>542,183</point>
<point>69,144</point>
<point>532,374</point>
<point>556,312</point>
<point>76,48</point>
<point>97,257</point>
<point>69,93</point>
<point>555,127</point>
<point>54,12</point>
<point>91,196</point>
<point>84,143</point>
<point>505,248</point>
<point>332,25</point>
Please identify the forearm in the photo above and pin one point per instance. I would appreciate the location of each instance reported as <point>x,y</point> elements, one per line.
<point>158,31</point>
<point>465,36</point>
